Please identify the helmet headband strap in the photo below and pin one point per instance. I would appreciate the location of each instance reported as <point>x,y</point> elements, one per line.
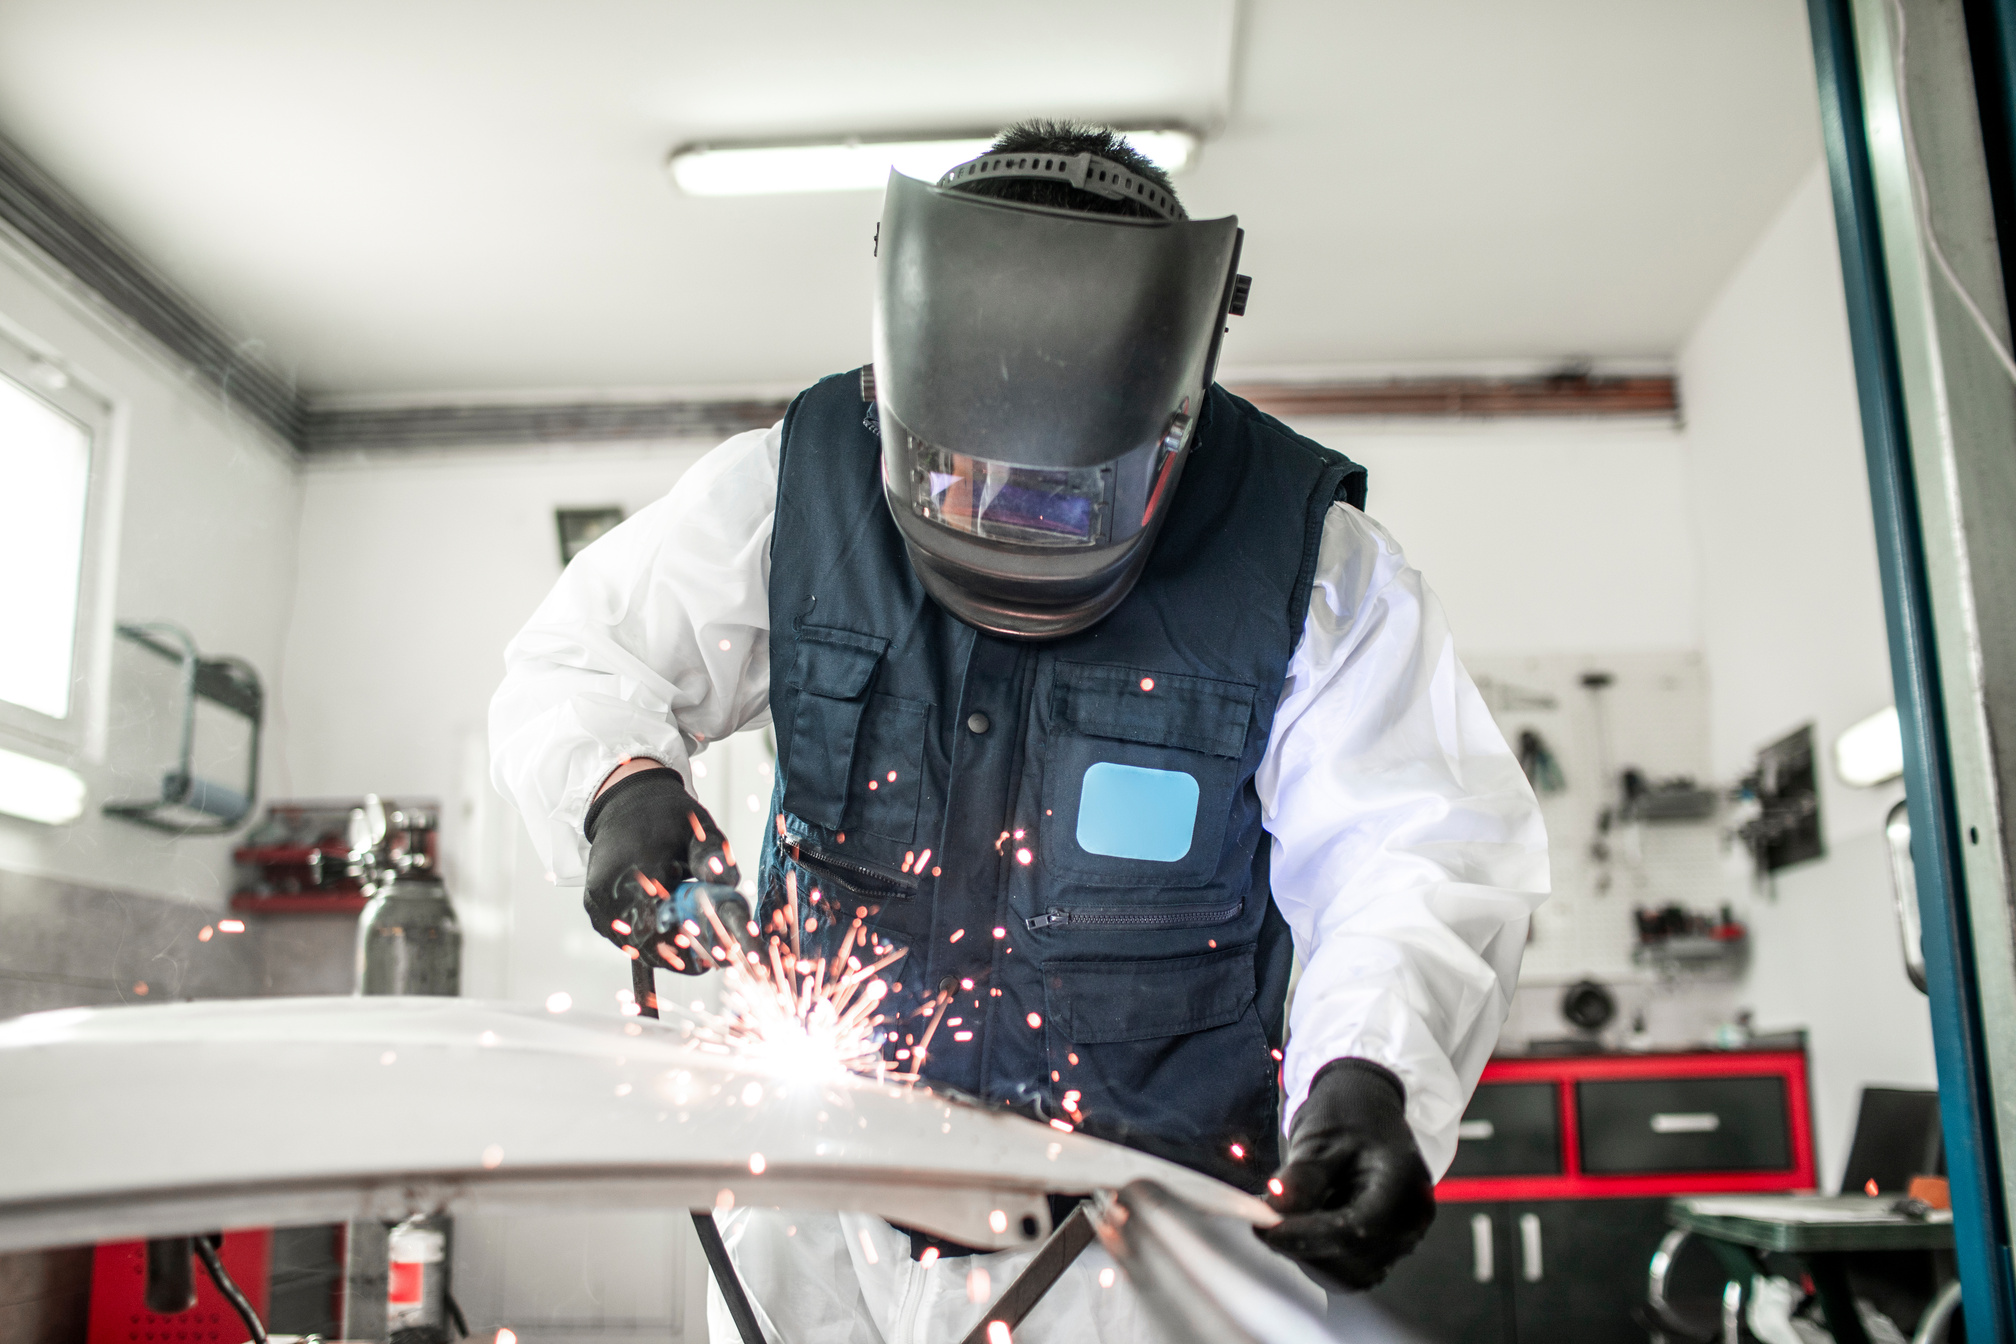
<point>1087,172</point>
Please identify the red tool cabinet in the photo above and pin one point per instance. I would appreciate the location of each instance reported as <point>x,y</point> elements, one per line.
<point>1556,1201</point>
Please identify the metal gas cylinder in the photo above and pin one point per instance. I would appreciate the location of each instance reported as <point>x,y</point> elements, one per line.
<point>407,939</point>
<point>407,943</point>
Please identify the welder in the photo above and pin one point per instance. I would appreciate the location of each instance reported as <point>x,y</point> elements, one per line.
<point>1099,691</point>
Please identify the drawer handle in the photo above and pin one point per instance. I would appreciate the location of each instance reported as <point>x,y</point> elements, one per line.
<point>1686,1122</point>
<point>1481,1267</point>
<point>1529,1247</point>
<point>1471,1130</point>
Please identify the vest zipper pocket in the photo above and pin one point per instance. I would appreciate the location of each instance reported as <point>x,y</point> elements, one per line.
<point>1135,917</point>
<point>857,877</point>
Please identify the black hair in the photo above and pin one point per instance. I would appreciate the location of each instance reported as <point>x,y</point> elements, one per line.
<point>1039,136</point>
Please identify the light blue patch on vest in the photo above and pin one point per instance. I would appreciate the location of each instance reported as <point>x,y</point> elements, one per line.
<point>1128,812</point>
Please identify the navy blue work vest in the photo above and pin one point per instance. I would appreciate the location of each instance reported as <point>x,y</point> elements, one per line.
<point>1105,972</point>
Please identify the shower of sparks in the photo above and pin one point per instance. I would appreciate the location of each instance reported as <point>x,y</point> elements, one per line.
<point>780,1002</point>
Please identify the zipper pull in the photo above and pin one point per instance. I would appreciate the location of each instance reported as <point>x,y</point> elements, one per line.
<point>1051,916</point>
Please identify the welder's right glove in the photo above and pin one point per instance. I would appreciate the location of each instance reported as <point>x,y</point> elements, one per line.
<point>1354,1194</point>
<point>647,825</point>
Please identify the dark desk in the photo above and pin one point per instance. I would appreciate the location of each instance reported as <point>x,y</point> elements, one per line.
<point>1820,1230</point>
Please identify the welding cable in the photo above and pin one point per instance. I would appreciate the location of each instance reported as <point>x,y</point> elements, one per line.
<point>206,1251</point>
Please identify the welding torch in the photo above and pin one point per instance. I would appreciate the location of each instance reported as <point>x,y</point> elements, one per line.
<point>692,927</point>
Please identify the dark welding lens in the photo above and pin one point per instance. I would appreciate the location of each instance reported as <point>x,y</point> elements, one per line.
<point>1032,506</point>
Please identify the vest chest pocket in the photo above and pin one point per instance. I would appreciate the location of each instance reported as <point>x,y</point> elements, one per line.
<point>888,768</point>
<point>1140,774</point>
<point>831,676</point>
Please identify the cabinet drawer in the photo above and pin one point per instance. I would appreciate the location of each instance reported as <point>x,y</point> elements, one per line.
<point>1511,1129</point>
<point>1684,1124</point>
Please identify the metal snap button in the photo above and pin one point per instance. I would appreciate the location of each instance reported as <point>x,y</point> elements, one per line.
<point>977,722</point>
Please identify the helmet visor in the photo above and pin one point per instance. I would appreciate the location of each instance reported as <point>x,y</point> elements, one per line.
<point>1051,509</point>
<point>999,501</point>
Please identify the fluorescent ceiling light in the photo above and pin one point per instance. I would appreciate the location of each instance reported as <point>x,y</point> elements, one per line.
<point>39,790</point>
<point>1871,752</point>
<point>864,165</point>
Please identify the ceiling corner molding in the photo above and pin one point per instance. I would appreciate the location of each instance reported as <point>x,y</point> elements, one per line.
<point>1571,395</point>
<point>35,207</point>
<point>330,431</point>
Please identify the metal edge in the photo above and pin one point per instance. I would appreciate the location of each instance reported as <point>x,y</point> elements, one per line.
<point>1959,1039</point>
<point>1209,1280</point>
<point>958,1212</point>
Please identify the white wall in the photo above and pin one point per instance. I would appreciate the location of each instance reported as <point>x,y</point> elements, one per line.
<point>414,574</point>
<point>1792,629</point>
<point>200,533</point>
<point>1545,536</point>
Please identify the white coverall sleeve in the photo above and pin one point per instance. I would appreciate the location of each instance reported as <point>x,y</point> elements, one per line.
<point>1408,849</point>
<point>655,641</point>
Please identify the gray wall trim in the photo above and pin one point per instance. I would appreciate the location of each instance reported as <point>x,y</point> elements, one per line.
<point>332,431</point>
<point>37,208</point>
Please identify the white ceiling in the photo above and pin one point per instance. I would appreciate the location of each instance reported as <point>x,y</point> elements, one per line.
<point>405,196</point>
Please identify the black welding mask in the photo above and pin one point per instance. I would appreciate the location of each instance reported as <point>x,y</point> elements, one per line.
<point>1039,374</point>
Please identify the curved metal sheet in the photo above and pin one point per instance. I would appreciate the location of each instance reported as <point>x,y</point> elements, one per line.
<point>139,1121</point>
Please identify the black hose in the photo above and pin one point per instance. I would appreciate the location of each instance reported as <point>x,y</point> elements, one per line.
<point>206,1251</point>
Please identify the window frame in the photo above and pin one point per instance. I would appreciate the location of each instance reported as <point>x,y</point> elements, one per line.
<point>37,372</point>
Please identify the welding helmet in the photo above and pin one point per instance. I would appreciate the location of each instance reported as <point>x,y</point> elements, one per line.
<point>1038,376</point>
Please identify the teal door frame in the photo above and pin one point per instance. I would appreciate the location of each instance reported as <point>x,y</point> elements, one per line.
<point>1931,421</point>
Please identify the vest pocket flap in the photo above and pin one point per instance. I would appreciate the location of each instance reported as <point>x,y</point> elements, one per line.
<point>1098,1002</point>
<point>1157,708</point>
<point>835,663</point>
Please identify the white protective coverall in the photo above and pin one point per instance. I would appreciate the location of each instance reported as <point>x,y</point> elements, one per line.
<point>1408,849</point>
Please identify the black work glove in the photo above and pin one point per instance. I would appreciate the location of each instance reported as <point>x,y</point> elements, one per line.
<point>646,826</point>
<point>1354,1194</point>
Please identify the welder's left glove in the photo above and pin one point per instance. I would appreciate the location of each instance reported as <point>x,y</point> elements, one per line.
<point>648,826</point>
<point>1355,1194</point>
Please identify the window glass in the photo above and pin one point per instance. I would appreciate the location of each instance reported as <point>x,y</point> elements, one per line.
<point>45,473</point>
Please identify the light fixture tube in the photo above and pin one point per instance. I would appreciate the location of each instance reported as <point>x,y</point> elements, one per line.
<point>864,165</point>
<point>1871,752</point>
<point>38,790</point>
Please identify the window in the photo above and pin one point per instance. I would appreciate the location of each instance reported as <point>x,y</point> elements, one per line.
<point>45,478</point>
<point>51,436</point>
